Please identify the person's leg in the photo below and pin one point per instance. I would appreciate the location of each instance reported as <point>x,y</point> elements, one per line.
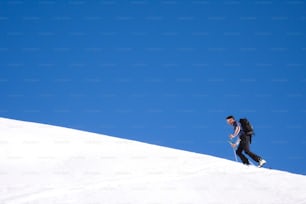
<point>247,150</point>
<point>239,153</point>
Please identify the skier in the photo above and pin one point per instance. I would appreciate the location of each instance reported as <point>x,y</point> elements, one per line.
<point>243,143</point>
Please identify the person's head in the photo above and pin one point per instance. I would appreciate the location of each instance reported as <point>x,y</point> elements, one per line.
<point>230,120</point>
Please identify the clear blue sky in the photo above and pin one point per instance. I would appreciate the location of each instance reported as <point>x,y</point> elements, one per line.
<point>163,72</point>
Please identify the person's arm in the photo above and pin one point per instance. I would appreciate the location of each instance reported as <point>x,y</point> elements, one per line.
<point>236,132</point>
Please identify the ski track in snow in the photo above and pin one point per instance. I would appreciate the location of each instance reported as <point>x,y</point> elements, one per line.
<point>42,164</point>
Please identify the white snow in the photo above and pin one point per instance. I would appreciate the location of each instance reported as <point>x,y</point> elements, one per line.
<point>43,164</point>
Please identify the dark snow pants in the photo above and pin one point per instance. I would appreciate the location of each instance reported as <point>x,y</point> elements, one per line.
<point>244,145</point>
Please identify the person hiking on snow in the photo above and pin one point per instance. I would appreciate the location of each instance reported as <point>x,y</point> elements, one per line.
<point>243,143</point>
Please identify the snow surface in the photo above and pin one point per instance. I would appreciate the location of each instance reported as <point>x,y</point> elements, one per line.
<point>43,164</point>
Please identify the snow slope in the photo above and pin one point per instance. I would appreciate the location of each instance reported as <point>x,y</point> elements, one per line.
<point>45,164</point>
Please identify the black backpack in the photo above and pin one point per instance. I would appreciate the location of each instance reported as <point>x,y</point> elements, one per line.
<point>247,127</point>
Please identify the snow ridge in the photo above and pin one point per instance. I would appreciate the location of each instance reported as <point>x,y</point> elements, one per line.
<point>44,164</point>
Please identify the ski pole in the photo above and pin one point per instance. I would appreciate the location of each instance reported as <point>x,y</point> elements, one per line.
<point>233,151</point>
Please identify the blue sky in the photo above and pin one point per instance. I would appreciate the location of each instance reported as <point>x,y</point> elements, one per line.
<point>162,72</point>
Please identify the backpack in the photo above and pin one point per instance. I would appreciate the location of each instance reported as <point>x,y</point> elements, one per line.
<point>247,127</point>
